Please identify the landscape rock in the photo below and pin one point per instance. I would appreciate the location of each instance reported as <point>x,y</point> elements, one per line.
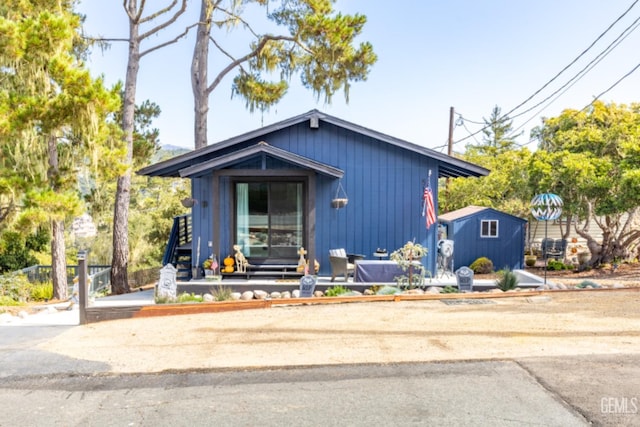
<point>318,294</point>
<point>617,286</point>
<point>414,292</point>
<point>434,290</point>
<point>260,294</point>
<point>236,296</point>
<point>369,292</point>
<point>295,293</point>
<point>207,298</point>
<point>246,296</point>
<point>275,295</point>
<point>286,294</point>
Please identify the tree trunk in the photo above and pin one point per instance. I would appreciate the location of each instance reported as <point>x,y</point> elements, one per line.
<point>120,261</point>
<point>58,261</point>
<point>199,78</point>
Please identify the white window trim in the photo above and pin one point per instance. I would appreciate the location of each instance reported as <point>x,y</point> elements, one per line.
<point>483,221</point>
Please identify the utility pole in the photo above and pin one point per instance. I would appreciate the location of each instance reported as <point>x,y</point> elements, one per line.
<point>449,153</point>
<point>450,146</point>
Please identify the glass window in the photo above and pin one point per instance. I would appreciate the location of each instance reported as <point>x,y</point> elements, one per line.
<point>489,228</point>
<point>269,218</point>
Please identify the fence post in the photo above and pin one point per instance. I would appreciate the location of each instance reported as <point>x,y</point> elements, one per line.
<point>82,285</point>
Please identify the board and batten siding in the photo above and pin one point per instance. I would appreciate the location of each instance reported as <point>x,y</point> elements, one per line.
<point>384,184</point>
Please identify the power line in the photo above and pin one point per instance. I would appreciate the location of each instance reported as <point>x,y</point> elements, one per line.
<point>583,72</point>
<point>559,73</point>
<point>579,76</point>
<point>575,60</point>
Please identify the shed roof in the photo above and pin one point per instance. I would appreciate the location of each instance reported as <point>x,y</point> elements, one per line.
<point>448,166</point>
<point>468,211</point>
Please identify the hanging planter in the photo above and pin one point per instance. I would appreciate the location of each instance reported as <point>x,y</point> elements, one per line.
<point>341,199</point>
<point>188,202</point>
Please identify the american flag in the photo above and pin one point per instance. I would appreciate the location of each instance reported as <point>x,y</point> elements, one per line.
<point>428,209</point>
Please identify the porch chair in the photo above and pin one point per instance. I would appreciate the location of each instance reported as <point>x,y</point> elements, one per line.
<point>554,248</point>
<point>342,264</point>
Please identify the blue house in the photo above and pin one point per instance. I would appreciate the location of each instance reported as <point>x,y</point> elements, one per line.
<point>274,190</point>
<point>484,232</point>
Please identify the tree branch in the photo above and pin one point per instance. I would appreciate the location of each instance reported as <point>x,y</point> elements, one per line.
<point>172,41</point>
<point>236,62</point>
<point>162,26</point>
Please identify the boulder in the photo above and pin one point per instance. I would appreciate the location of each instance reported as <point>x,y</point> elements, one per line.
<point>434,290</point>
<point>259,294</point>
<point>285,294</point>
<point>246,296</point>
<point>295,293</point>
<point>207,298</point>
<point>275,295</point>
<point>236,296</point>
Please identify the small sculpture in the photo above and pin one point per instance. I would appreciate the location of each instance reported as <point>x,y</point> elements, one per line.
<point>241,261</point>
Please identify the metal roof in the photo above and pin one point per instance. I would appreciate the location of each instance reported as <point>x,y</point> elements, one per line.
<point>468,211</point>
<point>449,167</point>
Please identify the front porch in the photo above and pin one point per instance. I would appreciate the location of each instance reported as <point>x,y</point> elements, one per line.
<point>273,284</point>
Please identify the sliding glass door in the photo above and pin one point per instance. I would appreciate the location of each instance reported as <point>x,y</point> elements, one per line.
<point>269,218</point>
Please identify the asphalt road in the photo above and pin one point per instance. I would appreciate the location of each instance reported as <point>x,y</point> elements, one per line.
<point>464,394</point>
<point>38,388</point>
<point>42,389</point>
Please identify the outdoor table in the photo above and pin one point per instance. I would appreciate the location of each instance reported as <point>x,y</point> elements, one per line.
<point>377,271</point>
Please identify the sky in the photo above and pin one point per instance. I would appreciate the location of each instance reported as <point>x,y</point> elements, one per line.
<point>433,55</point>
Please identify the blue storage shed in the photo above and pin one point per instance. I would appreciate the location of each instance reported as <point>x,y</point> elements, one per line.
<point>273,190</point>
<point>484,232</point>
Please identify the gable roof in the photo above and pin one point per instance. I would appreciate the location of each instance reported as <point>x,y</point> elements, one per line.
<point>262,149</point>
<point>449,167</point>
<point>471,210</point>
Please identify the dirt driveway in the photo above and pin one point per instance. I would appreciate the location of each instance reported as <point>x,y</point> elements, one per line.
<point>555,324</point>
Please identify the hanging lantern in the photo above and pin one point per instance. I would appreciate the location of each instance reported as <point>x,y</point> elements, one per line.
<point>546,207</point>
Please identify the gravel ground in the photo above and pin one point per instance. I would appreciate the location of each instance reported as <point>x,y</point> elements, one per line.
<point>588,322</point>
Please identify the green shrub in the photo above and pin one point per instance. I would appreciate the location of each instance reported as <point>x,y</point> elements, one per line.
<point>388,290</point>
<point>449,290</point>
<point>336,291</point>
<point>41,291</point>
<point>482,265</point>
<point>164,300</point>
<point>221,293</point>
<point>507,280</point>
<point>587,283</point>
<point>7,301</point>
<point>189,297</point>
<point>556,265</point>
<point>15,286</point>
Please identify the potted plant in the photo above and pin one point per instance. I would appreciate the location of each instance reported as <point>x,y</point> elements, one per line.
<point>530,257</point>
<point>210,265</point>
<point>408,258</point>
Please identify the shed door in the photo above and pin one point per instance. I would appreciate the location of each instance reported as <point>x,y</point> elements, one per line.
<point>269,218</point>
